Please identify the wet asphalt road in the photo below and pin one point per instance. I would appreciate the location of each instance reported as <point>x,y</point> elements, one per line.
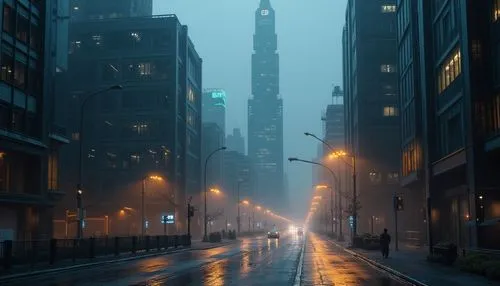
<point>256,261</point>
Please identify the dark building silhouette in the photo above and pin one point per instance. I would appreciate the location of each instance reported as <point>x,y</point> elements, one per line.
<point>372,119</point>
<point>82,10</point>
<point>449,78</point>
<point>265,111</point>
<point>214,108</point>
<point>236,141</point>
<point>30,135</point>
<point>150,127</point>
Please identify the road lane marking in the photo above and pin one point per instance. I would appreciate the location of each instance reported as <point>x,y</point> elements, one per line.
<point>301,262</point>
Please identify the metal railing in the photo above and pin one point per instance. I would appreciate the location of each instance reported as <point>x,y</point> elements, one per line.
<point>37,252</point>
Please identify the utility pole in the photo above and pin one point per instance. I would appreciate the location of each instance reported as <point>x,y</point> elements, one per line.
<point>79,209</point>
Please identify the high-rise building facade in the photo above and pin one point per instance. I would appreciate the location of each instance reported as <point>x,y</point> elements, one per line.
<point>265,110</point>
<point>83,10</point>
<point>449,78</point>
<point>236,141</point>
<point>29,136</point>
<point>372,119</point>
<point>214,107</point>
<point>152,126</point>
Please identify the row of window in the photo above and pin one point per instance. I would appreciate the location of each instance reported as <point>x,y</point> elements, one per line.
<point>138,70</point>
<point>23,25</point>
<point>410,158</point>
<point>449,70</point>
<point>158,39</point>
<point>376,177</point>
<point>19,120</point>
<point>124,159</point>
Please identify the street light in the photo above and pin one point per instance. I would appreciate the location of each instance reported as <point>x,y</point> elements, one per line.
<point>215,191</point>
<point>354,199</point>
<point>79,190</point>
<point>340,153</point>
<point>205,190</point>
<point>335,179</point>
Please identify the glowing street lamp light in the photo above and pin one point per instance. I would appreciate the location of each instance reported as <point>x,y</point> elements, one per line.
<point>322,187</point>
<point>215,191</point>
<point>245,202</point>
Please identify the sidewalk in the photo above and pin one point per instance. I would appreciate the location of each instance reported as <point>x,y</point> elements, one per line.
<point>412,262</point>
<point>42,268</point>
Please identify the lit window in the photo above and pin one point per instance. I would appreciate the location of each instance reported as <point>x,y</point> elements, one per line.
<point>390,111</point>
<point>97,39</point>
<point>450,70</point>
<point>388,8</point>
<point>140,128</point>
<point>388,68</point>
<point>135,158</point>
<point>496,10</point>
<point>190,95</point>
<point>144,69</point>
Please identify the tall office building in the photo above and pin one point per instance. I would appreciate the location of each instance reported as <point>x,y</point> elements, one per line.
<point>236,141</point>
<point>82,10</point>
<point>29,136</point>
<point>214,107</point>
<point>449,78</point>
<point>145,128</point>
<point>372,119</point>
<point>265,110</point>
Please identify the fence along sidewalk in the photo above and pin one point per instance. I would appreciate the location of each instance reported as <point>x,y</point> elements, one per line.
<point>49,252</point>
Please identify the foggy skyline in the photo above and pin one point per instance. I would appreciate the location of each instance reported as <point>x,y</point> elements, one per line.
<point>310,48</point>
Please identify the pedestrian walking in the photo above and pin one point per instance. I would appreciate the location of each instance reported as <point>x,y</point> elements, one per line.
<point>385,240</point>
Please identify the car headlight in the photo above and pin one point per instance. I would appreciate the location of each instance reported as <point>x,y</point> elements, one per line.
<point>268,232</point>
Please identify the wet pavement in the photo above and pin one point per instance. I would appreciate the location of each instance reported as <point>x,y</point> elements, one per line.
<point>253,261</point>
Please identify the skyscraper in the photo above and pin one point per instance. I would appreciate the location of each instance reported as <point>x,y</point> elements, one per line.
<point>265,110</point>
<point>214,107</point>
<point>235,141</point>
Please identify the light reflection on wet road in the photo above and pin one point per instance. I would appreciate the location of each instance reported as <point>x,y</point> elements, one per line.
<point>257,261</point>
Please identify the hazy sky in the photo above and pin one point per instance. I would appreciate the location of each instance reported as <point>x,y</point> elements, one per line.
<point>310,48</point>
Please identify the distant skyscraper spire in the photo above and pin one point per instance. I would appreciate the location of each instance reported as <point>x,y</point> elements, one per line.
<point>265,111</point>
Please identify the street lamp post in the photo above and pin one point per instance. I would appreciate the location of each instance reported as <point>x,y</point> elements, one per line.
<point>79,191</point>
<point>335,179</point>
<point>205,235</point>
<point>341,237</point>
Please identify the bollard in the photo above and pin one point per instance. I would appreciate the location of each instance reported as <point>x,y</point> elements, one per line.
<point>7,254</point>
<point>91,247</point>
<point>176,237</point>
<point>134,244</point>
<point>158,243</point>
<point>53,251</point>
<point>117,246</point>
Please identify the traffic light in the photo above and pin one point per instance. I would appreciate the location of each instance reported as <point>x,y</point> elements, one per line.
<point>398,203</point>
<point>190,211</point>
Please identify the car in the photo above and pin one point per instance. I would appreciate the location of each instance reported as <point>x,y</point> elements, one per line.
<point>273,234</point>
<point>300,231</point>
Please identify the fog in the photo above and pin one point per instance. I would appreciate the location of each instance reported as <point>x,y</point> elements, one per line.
<point>310,48</point>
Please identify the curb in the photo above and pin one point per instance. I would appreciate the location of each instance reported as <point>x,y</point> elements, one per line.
<point>380,266</point>
<point>8,278</point>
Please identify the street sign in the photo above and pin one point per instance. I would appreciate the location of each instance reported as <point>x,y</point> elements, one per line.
<point>71,216</point>
<point>168,219</point>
